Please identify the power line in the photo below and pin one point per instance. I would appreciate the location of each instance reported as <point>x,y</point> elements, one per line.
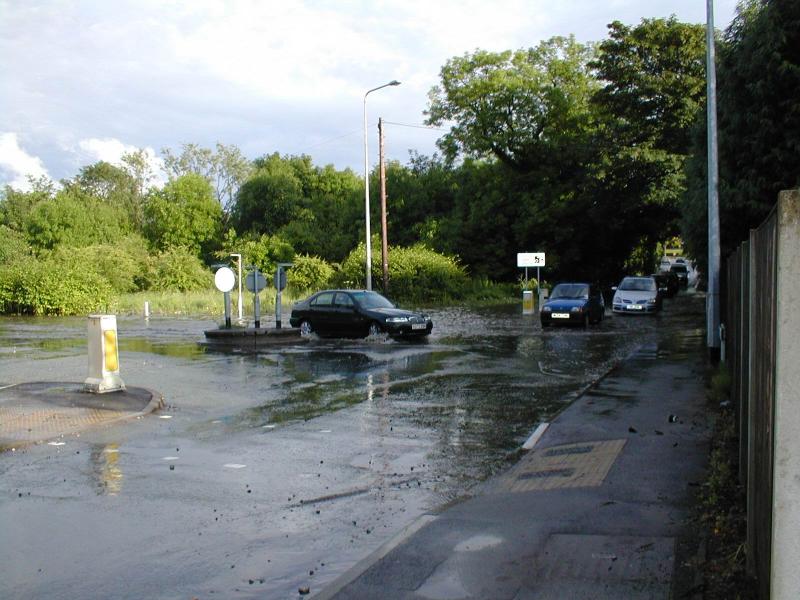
<point>415,126</point>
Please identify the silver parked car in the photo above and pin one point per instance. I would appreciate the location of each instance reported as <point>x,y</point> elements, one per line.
<point>636,295</point>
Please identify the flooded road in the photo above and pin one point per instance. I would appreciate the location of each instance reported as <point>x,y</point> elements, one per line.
<point>279,470</point>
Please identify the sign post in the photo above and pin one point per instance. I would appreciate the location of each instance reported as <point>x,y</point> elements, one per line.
<point>525,260</point>
<point>255,282</point>
<point>224,279</point>
<point>280,285</point>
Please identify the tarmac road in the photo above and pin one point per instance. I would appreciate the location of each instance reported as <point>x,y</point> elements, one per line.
<point>266,474</point>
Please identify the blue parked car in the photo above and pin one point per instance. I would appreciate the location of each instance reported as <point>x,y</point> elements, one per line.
<point>573,303</point>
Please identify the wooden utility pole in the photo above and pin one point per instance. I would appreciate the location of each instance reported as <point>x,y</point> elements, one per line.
<point>384,237</point>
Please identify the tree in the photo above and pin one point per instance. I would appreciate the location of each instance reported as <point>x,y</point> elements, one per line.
<point>184,214</point>
<point>269,199</point>
<point>528,108</point>
<point>76,219</point>
<point>15,206</point>
<point>226,169</point>
<point>758,76</point>
<point>654,88</point>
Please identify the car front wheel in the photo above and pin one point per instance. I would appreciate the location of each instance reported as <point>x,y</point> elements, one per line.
<point>306,329</point>
<point>374,329</point>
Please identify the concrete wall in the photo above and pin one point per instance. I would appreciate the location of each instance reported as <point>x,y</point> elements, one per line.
<point>785,576</point>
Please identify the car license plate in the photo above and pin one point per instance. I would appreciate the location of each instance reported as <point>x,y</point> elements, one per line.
<point>561,315</point>
<point>635,307</point>
<point>418,325</point>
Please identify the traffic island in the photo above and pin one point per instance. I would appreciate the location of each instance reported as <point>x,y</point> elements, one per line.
<point>36,412</point>
<point>253,338</point>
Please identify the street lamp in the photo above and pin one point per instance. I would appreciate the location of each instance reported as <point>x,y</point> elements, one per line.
<point>366,183</point>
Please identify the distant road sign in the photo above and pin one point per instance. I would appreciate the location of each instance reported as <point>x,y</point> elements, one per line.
<point>255,285</point>
<point>224,279</point>
<point>530,259</point>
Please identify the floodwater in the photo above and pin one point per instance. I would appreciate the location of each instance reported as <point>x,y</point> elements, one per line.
<point>267,472</point>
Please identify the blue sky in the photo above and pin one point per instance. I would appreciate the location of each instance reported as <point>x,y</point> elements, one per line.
<point>85,80</point>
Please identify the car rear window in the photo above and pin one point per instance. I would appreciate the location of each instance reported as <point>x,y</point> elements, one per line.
<point>678,269</point>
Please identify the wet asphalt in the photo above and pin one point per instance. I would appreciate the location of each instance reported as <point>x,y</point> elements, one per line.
<point>274,472</point>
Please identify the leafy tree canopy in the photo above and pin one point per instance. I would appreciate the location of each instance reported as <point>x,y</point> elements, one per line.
<point>184,214</point>
<point>520,107</point>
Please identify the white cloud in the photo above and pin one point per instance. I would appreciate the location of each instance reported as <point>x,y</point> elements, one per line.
<point>111,150</point>
<point>264,75</point>
<point>16,165</point>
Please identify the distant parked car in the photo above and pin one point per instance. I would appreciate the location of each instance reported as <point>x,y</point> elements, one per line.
<point>682,271</point>
<point>636,295</point>
<point>356,313</point>
<point>576,303</point>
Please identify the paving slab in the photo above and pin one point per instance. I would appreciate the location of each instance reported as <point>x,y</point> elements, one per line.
<point>40,411</point>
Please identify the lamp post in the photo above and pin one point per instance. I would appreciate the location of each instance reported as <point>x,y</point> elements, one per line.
<point>239,259</point>
<point>366,183</point>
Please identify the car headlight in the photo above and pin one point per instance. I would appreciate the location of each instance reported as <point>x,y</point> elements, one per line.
<point>397,320</point>
<point>547,309</point>
<point>576,309</point>
<point>651,300</point>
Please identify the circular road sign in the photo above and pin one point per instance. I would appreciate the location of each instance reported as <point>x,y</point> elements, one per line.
<point>224,279</point>
<point>254,285</point>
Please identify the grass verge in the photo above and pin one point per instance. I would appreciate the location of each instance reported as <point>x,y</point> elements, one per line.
<point>722,510</point>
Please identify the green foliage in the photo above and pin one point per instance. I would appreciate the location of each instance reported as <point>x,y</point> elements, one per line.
<point>73,218</point>
<point>177,269</point>
<point>225,169</point>
<point>654,87</point>
<point>263,251</point>
<point>269,199</point>
<point>309,273</point>
<point>416,273</point>
<point>112,185</point>
<point>124,265</point>
<point>527,108</point>
<point>184,215</point>
<point>12,245</point>
<point>50,287</point>
<point>15,206</point>
<point>758,75</point>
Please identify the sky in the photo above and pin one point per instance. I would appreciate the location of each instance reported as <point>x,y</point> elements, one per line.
<point>88,80</point>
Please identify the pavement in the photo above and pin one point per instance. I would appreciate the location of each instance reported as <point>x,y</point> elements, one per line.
<point>41,411</point>
<point>599,509</point>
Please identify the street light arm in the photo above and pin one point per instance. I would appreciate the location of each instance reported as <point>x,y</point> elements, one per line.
<point>380,87</point>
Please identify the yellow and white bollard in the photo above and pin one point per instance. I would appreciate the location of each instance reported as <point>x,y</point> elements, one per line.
<point>103,356</point>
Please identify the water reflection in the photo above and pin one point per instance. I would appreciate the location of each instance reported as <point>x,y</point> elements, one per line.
<point>106,470</point>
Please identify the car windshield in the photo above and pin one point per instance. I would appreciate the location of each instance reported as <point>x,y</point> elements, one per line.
<point>678,269</point>
<point>638,284</point>
<point>371,300</point>
<point>570,291</point>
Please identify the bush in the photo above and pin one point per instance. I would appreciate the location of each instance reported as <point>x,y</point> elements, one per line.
<point>178,270</point>
<point>309,273</point>
<point>416,273</point>
<point>12,245</point>
<point>124,264</point>
<point>50,287</point>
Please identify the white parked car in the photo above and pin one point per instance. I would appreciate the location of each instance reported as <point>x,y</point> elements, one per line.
<point>636,295</point>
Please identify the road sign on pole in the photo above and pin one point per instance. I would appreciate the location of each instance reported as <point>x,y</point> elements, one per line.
<point>530,259</point>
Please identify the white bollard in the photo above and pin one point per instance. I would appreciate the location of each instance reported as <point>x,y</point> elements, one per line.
<point>146,309</point>
<point>103,356</point>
